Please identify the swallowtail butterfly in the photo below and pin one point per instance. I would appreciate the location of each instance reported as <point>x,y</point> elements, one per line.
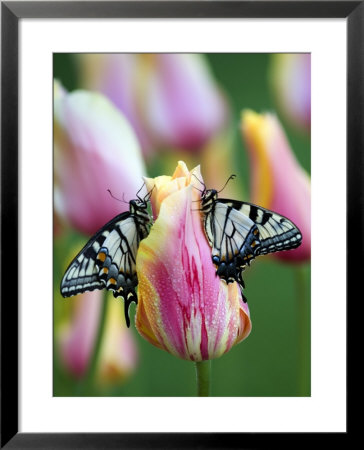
<point>238,232</point>
<point>108,259</point>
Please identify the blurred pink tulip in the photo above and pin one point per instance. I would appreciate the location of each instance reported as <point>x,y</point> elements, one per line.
<point>291,83</point>
<point>116,76</point>
<point>184,308</point>
<point>118,352</point>
<point>183,105</point>
<point>95,149</point>
<point>171,100</point>
<point>77,337</point>
<point>278,182</point>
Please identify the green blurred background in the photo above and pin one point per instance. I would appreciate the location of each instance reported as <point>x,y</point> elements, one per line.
<point>275,359</point>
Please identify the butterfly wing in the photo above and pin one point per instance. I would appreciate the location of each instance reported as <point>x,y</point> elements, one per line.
<point>117,261</point>
<point>108,261</point>
<point>233,238</point>
<point>83,272</point>
<point>276,232</point>
<point>227,232</point>
<point>240,231</point>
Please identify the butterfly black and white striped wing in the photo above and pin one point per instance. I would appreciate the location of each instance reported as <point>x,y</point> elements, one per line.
<point>240,231</point>
<point>276,232</point>
<point>228,232</point>
<point>108,261</point>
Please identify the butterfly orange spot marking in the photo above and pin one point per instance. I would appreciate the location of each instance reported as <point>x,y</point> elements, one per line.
<point>101,256</point>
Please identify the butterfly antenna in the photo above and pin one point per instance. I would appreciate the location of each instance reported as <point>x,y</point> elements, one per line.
<point>113,196</point>
<point>203,184</point>
<point>139,191</point>
<point>231,177</point>
<point>147,197</point>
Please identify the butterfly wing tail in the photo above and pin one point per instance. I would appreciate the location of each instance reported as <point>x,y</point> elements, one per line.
<point>128,295</point>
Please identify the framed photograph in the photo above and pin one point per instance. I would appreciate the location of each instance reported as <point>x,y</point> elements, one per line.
<point>181,191</point>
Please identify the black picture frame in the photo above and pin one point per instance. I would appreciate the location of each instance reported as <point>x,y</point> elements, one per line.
<point>11,13</point>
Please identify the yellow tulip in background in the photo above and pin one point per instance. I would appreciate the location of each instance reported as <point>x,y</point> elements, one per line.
<point>278,182</point>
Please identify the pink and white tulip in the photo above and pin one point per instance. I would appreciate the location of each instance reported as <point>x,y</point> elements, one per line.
<point>183,104</point>
<point>184,308</point>
<point>76,336</point>
<point>278,182</point>
<point>171,100</point>
<point>291,85</point>
<point>116,77</point>
<point>95,149</point>
<point>76,339</point>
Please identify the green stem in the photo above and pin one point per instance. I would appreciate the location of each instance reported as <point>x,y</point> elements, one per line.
<point>94,359</point>
<point>203,378</point>
<point>303,332</point>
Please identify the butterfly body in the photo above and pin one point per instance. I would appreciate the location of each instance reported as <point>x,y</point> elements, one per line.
<point>108,260</point>
<point>238,232</point>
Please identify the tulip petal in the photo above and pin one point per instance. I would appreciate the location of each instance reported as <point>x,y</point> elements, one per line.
<point>183,106</point>
<point>291,83</point>
<point>76,338</point>
<point>279,183</point>
<point>118,353</point>
<point>116,76</point>
<point>95,150</point>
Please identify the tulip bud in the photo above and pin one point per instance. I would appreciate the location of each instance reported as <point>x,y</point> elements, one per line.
<point>95,149</point>
<point>116,76</point>
<point>291,85</point>
<point>278,182</point>
<point>184,108</point>
<point>76,340</point>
